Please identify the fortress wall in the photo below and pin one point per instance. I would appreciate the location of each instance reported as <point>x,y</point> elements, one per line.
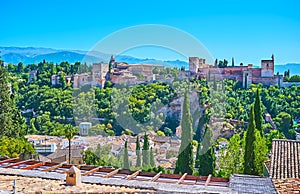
<point>256,72</point>
<point>266,81</point>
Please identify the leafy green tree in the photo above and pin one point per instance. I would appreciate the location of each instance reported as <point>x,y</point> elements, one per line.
<point>261,151</point>
<point>225,63</point>
<point>221,64</point>
<point>160,133</point>
<point>294,78</point>
<point>155,70</point>
<point>11,68</point>
<point>102,156</point>
<point>273,134</point>
<point>98,129</point>
<point>20,68</point>
<point>14,147</point>
<point>184,163</point>
<point>69,133</point>
<point>89,157</point>
<point>42,124</point>
<point>138,152</point>
<point>231,159</point>
<point>152,161</point>
<point>249,157</point>
<point>258,112</point>
<point>145,151</point>
<point>284,122</point>
<point>126,159</point>
<point>62,79</point>
<point>291,134</point>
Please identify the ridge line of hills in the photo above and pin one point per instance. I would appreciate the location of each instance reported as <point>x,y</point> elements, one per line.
<point>29,55</point>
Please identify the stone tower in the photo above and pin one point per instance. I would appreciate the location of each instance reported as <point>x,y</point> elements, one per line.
<point>267,67</point>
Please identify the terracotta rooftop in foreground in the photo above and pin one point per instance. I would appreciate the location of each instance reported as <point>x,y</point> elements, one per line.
<point>39,185</point>
<point>287,185</point>
<point>97,176</point>
<point>36,176</point>
<point>285,160</point>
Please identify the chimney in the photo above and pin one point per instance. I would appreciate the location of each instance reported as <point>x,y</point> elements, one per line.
<point>73,176</point>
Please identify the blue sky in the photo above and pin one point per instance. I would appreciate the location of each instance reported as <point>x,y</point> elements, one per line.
<point>247,31</point>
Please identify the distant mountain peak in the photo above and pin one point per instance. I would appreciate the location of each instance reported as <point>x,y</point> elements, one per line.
<point>29,55</point>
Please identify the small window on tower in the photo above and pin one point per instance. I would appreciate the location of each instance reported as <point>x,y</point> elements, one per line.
<point>267,65</point>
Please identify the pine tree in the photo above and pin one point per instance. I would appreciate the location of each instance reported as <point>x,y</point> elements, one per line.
<point>232,62</point>
<point>145,151</point>
<point>152,161</point>
<point>184,163</point>
<point>249,157</point>
<point>125,158</point>
<point>258,113</point>
<point>138,152</point>
<point>205,158</point>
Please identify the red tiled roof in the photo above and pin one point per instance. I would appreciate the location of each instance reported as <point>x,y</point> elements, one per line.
<point>111,176</point>
<point>285,160</point>
<point>287,185</point>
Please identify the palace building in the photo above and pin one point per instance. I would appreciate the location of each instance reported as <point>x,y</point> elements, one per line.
<point>244,74</point>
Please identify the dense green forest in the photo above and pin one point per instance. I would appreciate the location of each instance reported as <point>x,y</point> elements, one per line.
<point>48,107</point>
<point>118,109</point>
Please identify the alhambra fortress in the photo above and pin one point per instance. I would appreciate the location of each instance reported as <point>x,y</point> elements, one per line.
<point>131,74</point>
<point>244,74</point>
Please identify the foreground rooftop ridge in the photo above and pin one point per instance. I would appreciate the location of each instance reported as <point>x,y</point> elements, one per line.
<point>117,177</point>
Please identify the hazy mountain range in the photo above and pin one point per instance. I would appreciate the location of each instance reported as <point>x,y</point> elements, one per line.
<point>29,55</point>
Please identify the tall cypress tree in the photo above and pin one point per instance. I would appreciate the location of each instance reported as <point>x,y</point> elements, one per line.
<point>5,103</point>
<point>216,63</point>
<point>126,159</point>
<point>152,162</point>
<point>205,158</point>
<point>1,61</point>
<point>201,124</point>
<point>258,113</point>
<point>184,163</point>
<point>215,85</point>
<point>232,62</point>
<point>138,152</point>
<point>249,157</point>
<point>145,151</point>
<point>12,123</point>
